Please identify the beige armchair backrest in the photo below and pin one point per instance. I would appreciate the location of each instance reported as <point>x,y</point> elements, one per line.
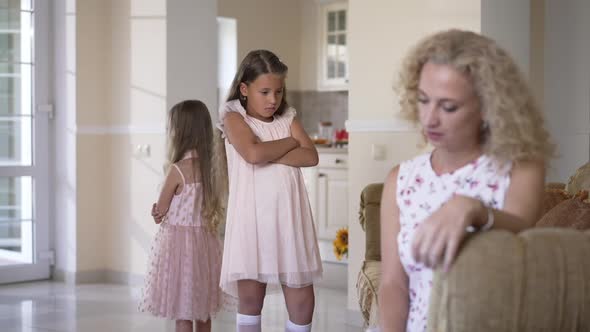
<point>538,280</point>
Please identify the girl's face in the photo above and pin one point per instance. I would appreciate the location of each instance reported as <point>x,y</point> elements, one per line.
<point>264,95</point>
<point>448,108</point>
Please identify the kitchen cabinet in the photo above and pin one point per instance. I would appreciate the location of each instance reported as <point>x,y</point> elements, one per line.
<point>333,63</point>
<point>327,186</point>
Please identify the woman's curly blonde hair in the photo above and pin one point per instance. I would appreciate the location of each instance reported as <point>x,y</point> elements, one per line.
<point>515,125</point>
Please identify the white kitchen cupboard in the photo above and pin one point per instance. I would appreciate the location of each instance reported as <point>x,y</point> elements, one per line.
<point>333,57</point>
<point>327,186</point>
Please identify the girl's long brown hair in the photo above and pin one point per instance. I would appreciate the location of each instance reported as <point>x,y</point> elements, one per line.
<point>190,129</point>
<point>254,64</point>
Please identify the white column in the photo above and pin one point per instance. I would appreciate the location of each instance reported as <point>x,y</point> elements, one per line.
<point>191,52</point>
<point>509,23</point>
<point>567,83</point>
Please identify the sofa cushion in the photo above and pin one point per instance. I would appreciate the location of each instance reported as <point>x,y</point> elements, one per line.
<point>572,213</point>
<point>555,185</point>
<point>370,221</point>
<point>552,197</point>
<point>534,281</point>
<point>580,180</point>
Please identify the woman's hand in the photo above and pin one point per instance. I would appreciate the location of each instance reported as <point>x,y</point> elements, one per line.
<point>437,239</point>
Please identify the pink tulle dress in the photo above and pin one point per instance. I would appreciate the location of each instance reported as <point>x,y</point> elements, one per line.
<point>185,263</point>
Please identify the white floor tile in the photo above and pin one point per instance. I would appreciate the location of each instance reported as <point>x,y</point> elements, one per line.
<point>50,306</point>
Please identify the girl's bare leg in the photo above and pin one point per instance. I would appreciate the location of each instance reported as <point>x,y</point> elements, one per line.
<point>203,326</point>
<point>184,325</point>
<point>300,305</point>
<point>251,298</point>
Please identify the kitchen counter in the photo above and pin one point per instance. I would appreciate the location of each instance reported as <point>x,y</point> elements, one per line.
<point>325,149</point>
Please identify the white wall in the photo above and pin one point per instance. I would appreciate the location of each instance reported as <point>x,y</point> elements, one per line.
<point>537,65</point>
<point>380,36</point>
<point>310,45</point>
<point>227,56</point>
<point>509,23</point>
<point>168,53</point>
<point>548,40</point>
<point>119,64</point>
<point>567,83</point>
<point>268,24</point>
<point>191,51</point>
<point>92,100</point>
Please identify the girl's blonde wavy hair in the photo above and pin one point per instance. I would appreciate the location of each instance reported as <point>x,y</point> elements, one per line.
<point>515,125</point>
<point>190,129</point>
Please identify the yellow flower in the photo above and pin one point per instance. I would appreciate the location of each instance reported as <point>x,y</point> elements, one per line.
<point>341,243</point>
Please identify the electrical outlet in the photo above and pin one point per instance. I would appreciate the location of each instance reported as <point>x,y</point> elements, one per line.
<point>142,150</point>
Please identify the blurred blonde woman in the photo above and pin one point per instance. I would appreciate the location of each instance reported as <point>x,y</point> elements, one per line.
<point>486,170</point>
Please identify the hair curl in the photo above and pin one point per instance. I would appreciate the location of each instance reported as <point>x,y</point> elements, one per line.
<point>516,124</point>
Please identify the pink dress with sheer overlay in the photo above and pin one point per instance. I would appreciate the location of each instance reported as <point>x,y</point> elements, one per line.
<point>185,263</point>
<point>270,235</point>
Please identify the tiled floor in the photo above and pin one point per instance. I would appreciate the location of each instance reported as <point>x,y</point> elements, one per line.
<point>49,306</point>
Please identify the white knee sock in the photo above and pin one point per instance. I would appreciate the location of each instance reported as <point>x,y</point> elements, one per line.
<point>247,323</point>
<point>292,327</point>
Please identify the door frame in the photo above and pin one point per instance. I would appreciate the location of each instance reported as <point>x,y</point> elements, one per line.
<point>42,257</point>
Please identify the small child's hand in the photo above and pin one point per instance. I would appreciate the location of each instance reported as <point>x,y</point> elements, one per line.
<point>157,215</point>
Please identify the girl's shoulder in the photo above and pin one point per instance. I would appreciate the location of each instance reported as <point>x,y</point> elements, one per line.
<point>232,106</point>
<point>229,107</point>
<point>289,114</point>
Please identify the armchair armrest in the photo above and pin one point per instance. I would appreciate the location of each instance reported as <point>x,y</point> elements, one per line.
<point>536,280</point>
<point>370,221</point>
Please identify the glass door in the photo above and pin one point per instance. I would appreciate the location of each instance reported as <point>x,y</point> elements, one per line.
<point>24,231</point>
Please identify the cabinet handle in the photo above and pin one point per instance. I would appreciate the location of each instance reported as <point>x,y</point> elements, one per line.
<point>321,175</point>
<point>339,161</point>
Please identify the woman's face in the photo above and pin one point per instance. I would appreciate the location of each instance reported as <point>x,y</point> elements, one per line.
<point>448,108</point>
<point>264,95</point>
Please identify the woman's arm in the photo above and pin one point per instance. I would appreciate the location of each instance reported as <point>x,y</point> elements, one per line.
<point>523,201</point>
<point>306,154</point>
<point>249,146</point>
<point>393,287</point>
<point>438,238</point>
<point>171,184</point>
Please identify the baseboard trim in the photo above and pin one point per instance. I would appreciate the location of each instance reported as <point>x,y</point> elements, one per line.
<point>97,276</point>
<point>125,278</point>
<point>64,276</point>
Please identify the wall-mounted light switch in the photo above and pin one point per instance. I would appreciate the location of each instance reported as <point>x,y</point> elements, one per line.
<point>378,152</point>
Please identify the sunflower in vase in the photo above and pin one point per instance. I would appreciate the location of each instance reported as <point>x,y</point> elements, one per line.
<point>341,243</point>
